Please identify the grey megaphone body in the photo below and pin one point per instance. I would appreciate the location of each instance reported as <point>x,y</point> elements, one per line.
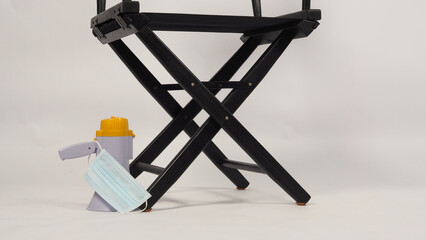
<point>117,139</point>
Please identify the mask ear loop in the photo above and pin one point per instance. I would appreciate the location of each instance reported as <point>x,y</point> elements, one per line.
<point>99,145</point>
<point>140,211</point>
<point>88,158</point>
<point>146,205</point>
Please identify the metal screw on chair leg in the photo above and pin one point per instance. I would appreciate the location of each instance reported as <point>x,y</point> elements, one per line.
<point>250,84</point>
<point>192,84</point>
<point>226,118</point>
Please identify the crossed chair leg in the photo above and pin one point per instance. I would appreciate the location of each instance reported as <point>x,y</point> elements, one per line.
<point>221,115</point>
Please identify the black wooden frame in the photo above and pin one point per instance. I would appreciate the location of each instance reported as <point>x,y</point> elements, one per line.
<point>124,19</point>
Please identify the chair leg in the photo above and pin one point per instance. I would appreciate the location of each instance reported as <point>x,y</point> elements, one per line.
<point>181,162</point>
<point>223,115</point>
<point>145,77</point>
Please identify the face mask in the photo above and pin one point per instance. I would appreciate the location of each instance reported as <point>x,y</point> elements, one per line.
<point>114,184</point>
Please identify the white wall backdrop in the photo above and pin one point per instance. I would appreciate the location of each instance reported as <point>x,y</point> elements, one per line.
<point>342,110</point>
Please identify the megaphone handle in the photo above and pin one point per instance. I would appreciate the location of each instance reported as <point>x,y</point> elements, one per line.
<point>78,150</point>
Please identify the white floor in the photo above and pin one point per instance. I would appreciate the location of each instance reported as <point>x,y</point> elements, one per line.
<point>217,213</point>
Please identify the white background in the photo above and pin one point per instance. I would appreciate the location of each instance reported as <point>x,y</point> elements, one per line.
<point>343,110</point>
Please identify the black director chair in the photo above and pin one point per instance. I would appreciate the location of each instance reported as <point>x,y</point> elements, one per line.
<point>124,19</point>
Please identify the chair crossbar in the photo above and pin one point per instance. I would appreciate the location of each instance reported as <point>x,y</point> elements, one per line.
<point>148,168</point>
<point>242,166</point>
<point>209,85</point>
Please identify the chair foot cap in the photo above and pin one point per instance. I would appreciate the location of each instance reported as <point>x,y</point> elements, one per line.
<point>148,210</point>
<point>241,188</point>
<point>301,203</point>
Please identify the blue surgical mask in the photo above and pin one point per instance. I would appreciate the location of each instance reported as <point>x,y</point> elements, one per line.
<point>114,184</point>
